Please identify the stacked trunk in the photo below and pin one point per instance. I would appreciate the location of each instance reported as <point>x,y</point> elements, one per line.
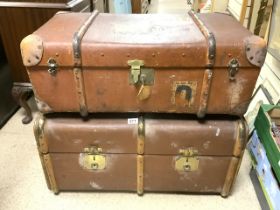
<point>137,81</point>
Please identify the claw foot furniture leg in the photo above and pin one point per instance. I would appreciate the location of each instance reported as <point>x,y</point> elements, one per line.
<point>21,92</point>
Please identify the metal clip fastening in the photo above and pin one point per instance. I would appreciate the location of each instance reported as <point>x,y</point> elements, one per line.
<point>233,66</point>
<point>52,65</point>
<point>135,70</point>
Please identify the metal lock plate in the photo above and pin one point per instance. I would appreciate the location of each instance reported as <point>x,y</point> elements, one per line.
<point>187,161</point>
<point>139,75</point>
<point>93,160</point>
<point>186,164</point>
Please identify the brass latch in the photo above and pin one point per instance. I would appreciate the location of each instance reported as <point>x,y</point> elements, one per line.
<point>141,77</point>
<point>135,70</point>
<point>92,159</point>
<point>187,160</point>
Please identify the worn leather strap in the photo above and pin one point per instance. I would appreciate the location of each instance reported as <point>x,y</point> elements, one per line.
<point>208,74</point>
<point>78,75</point>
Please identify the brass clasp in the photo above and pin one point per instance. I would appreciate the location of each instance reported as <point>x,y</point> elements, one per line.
<point>187,160</point>
<point>92,159</point>
<point>135,70</point>
<point>141,77</point>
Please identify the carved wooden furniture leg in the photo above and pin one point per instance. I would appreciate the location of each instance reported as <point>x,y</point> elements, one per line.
<point>21,92</point>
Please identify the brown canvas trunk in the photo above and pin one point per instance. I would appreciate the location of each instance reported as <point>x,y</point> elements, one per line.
<point>205,63</point>
<point>143,154</point>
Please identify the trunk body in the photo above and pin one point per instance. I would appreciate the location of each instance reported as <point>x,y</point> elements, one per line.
<point>192,63</point>
<point>137,151</point>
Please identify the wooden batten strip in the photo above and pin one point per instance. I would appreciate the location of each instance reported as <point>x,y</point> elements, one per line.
<point>238,152</point>
<point>141,136</point>
<point>49,173</point>
<point>140,157</point>
<point>241,139</point>
<point>42,147</point>
<point>38,130</point>
<point>45,171</point>
<point>140,174</point>
<point>230,177</point>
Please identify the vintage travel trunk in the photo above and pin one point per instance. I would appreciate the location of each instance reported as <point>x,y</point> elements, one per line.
<point>142,154</point>
<point>192,63</point>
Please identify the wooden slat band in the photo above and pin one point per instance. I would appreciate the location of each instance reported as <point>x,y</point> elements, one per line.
<point>38,130</point>
<point>230,176</point>
<point>235,163</point>
<point>43,153</point>
<point>78,74</point>
<point>140,157</point>
<point>211,55</point>
<point>141,136</point>
<point>241,138</point>
<point>48,168</point>
<point>140,174</point>
<point>45,170</point>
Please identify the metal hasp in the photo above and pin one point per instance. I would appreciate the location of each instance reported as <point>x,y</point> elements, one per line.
<point>208,74</point>
<point>187,161</point>
<point>233,67</point>
<point>139,75</point>
<point>93,160</point>
<point>52,66</point>
<point>78,74</point>
<point>135,70</point>
<point>143,77</point>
